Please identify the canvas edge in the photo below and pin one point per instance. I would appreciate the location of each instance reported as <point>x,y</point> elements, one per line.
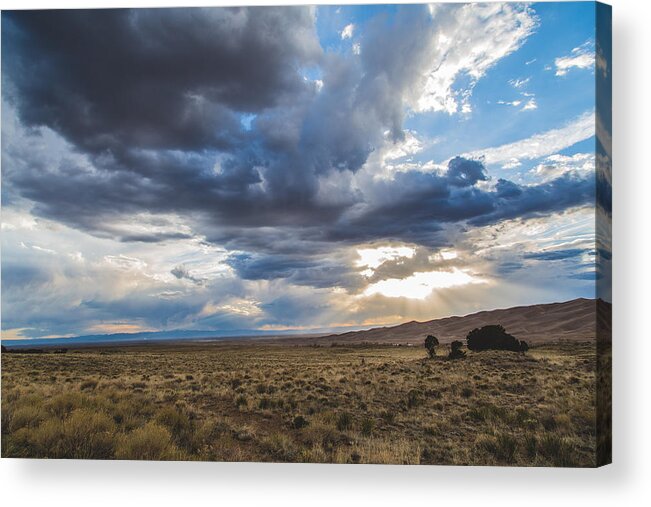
<point>603,228</point>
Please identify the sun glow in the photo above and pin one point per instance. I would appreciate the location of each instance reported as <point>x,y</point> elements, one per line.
<point>420,285</point>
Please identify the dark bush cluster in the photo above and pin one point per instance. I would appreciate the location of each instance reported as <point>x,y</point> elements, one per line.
<point>455,350</point>
<point>494,337</point>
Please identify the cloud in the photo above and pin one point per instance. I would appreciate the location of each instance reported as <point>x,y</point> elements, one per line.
<point>514,103</point>
<point>489,33</point>
<point>196,173</point>
<point>152,133</point>
<point>182,273</point>
<point>543,144</point>
<point>104,91</point>
<point>511,164</point>
<point>347,32</point>
<point>416,207</point>
<point>519,83</point>
<point>581,57</point>
<point>556,165</point>
<point>555,255</point>
<point>304,269</point>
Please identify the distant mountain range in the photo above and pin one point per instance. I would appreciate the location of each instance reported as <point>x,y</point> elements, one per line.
<point>153,336</point>
<point>571,320</point>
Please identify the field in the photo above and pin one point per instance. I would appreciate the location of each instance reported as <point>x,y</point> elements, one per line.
<point>358,404</point>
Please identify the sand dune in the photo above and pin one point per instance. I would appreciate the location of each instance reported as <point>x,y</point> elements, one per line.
<point>571,320</point>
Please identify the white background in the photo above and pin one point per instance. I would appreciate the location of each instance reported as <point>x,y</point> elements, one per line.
<point>626,482</point>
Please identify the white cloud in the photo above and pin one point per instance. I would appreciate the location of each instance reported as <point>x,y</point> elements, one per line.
<point>514,103</point>
<point>448,254</point>
<point>44,250</point>
<point>467,41</point>
<point>357,48</point>
<point>347,32</point>
<point>408,146</point>
<point>581,57</point>
<point>557,165</point>
<point>541,145</point>
<point>372,258</point>
<point>512,164</point>
<point>519,83</point>
<point>125,262</point>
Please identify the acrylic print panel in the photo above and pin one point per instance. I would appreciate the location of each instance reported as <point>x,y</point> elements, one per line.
<point>340,234</point>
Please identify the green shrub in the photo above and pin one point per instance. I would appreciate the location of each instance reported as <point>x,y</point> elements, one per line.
<point>84,434</point>
<point>281,448</point>
<point>367,426</point>
<point>88,385</point>
<point>62,404</point>
<point>27,416</point>
<point>178,423</point>
<point>414,398</point>
<point>502,446</point>
<point>344,421</point>
<point>299,422</point>
<point>558,450</point>
<point>151,442</point>
<point>264,403</point>
<point>531,445</point>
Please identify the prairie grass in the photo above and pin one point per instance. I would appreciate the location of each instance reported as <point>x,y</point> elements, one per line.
<point>254,402</point>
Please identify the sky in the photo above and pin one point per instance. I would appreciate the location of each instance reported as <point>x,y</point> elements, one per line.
<point>298,168</point>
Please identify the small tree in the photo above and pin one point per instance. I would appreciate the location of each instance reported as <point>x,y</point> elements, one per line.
<point>431,342</point>
<point>455,350</point>
<point>524,346</point>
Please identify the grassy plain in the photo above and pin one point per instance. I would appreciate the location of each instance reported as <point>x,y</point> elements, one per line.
<point>255,402</point>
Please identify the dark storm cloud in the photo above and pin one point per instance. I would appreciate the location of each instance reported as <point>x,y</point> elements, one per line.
<point>150,103</point>
<point>256,267</point>
<point>562,193</point>
<point>151,97</point>
<point>464,173</point>
<point>508,267</point>
<point>153,78</point>
<point>415,206</point>
<point>588,275</point>
<point>299,269</point>
<point>153,238</point>
<point>555,255</point>
<point>182,273</point>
